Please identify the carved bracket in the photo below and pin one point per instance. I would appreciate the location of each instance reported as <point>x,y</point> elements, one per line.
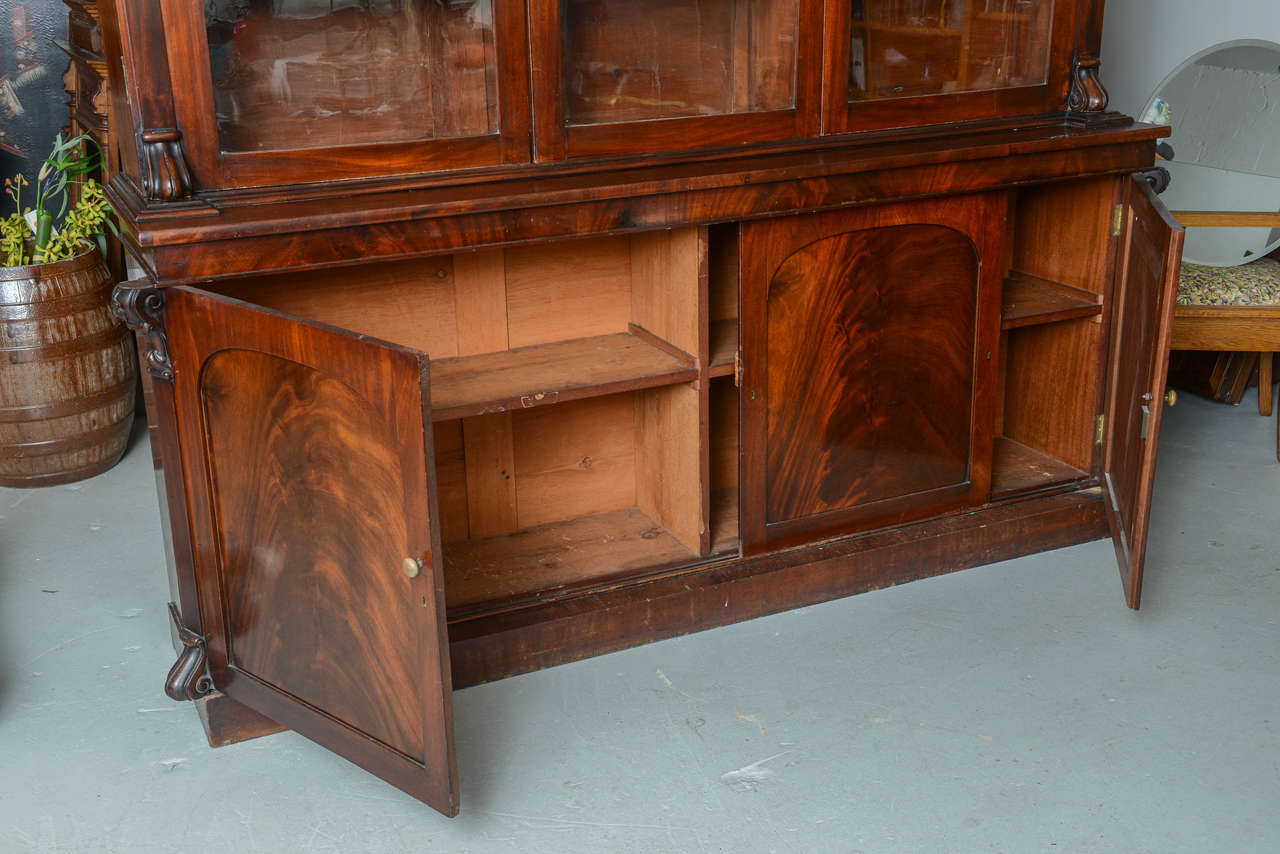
<point>1087,95</point>
<point>141,307</point>
<point>187,679</point>
<point>165,175</point>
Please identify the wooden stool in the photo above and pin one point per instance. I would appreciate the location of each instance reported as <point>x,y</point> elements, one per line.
<point>1232,308</point>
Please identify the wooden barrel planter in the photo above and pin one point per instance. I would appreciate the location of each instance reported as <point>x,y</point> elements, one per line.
<point>67,373</point>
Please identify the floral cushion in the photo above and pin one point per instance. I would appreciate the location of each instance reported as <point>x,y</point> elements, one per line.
<point>1257,283</point>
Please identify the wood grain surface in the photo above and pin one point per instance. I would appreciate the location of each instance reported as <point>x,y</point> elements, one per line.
<point>871,368</point>
<point>313,485</point>
<point>1139,364</point>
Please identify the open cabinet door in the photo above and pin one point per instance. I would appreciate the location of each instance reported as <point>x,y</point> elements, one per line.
<point>1145,291</point>
<point>308,462</point>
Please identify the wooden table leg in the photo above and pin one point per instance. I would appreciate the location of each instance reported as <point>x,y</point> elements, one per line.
<point>1264,383</point>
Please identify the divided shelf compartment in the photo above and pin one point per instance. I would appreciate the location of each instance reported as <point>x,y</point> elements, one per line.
<point>723,336</point>
<point>1053,326</point>
<point>568,398</point>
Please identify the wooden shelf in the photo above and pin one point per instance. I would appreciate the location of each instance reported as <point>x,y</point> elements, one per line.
<point>1019,468</point>
<point>910,30</point>
<point>537,563</point>
<point>724,347</point>
<point>1030,301</point>
<point>995,15</point>
<point>551,373</point>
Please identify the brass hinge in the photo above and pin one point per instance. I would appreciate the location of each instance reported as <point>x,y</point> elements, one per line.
<point>1117,221</point>
<point>1146,416</point>
<point>737,369</point>
<point>1100,429</point>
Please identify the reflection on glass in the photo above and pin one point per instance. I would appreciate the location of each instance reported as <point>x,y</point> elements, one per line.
<point>627,60</point>
<point>305,73</point>
<point>903,48</point>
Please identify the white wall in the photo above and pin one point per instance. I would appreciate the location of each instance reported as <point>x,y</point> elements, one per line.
<point>1144,40</point>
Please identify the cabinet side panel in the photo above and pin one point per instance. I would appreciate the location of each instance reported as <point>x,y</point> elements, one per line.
<point>1052,389</point>
<point>667,271</point>
<point>724,434</point>
<point>722,272</point>
<point>1063,233</point>
<point>405,302</point>
<point>669,484</point>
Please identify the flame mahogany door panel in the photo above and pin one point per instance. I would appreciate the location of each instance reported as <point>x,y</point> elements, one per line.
<point>1143,322</point>
<point>869,378</point>
<point>311,485</point>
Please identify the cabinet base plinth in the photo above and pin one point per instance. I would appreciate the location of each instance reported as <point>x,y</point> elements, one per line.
<point>226,722</point>
<point>502,645</point>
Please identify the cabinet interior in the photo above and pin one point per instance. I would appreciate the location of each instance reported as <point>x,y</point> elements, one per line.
<point>722,312</point>
<point>1052,333</point>
<point>569,386</point>
<point>584,400</point>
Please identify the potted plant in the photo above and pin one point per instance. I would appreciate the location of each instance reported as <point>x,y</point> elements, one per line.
<point>67,366</point>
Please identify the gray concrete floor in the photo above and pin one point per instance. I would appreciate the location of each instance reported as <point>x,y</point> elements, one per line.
<point>1016,707</point>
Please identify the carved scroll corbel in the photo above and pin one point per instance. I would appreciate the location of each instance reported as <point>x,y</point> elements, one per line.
<point>187,679</point>
<point>1087,95</point>
<point>165,175</point>
<point>141,306</point>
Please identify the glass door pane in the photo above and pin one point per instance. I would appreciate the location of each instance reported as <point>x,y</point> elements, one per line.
<point>633,60</point>
<point>312,73</point>
<point>904,48</point>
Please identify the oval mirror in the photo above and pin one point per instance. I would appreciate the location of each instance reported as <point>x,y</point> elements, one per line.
<point>1223,105</point>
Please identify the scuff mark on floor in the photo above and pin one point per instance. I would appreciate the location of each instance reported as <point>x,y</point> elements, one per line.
<point>749,777</point>
<point>170,764</point>
<point>64,645</point>
<point>753,718</point>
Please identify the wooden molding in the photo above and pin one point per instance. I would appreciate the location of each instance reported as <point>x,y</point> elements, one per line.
<point>187,679</point>
<point>141,307</point>
<point>1087,94</point>
<point>166,177</point>
<point>1228,219</point>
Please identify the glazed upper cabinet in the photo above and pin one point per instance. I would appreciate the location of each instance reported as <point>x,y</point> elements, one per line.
<point>229,94</point>
<point>628,76</point>
<point>348,88</point>
<point>905,63</point>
